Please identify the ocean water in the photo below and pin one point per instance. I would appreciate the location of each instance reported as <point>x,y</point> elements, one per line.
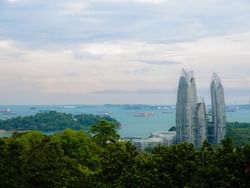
<point>136,121</point>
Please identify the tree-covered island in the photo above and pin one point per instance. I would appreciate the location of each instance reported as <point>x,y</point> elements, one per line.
<point>54,121</point>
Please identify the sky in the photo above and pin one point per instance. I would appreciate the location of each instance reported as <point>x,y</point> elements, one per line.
<point>121,51</point>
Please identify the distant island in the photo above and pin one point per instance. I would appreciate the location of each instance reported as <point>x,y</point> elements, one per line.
<point>53,121</point>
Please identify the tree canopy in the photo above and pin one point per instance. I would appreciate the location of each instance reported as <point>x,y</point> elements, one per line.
<point>97,158</point>
<point>238,132</point>
<point>78,159</point>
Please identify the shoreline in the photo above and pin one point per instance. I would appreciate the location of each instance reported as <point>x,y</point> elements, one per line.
<point>2,131</point>
<point>5,131</point>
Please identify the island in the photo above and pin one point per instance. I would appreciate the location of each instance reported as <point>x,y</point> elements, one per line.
<point>53,121</point>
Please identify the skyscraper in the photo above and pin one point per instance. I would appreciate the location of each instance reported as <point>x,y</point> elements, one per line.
<point>191,119</point>
<point>218,109</point>
<point>200,124</point>
<point>185,108</point>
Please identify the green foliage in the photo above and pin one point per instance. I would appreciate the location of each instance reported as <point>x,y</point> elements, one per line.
<point>172,129</point>
<point>179,161</point>
<point>239,133</point>
<point>78,159</point>
<point>53,121</point>
<point>104,132</point>
<point>66,159</point>
<point>118,159</point>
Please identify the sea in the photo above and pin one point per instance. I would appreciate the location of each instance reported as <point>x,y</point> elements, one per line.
<point>136,120</point>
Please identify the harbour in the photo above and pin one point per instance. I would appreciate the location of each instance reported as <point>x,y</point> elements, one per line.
<point>149,119</point>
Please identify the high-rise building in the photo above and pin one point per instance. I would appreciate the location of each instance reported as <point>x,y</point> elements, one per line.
<point>218,109</point>
<point>191,119</point>
<point>200,124</point>
<point>185,108</point>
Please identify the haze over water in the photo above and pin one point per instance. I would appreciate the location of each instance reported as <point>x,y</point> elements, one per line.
<point>134,124</point>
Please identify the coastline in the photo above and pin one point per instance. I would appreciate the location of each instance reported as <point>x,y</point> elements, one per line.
<point>5,131</point>
<point>2,131</point>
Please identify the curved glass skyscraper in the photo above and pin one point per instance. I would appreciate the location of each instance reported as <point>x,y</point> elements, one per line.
<point>185,108</point>
<point>191,119</point>
<point>200,124</point>
<point>218,109</point>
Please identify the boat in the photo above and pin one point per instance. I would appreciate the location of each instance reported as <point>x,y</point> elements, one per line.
<point>69,107</point>
<point>144,114</point>
<point>232,109</point>
<point>167,112</point>
<point>103,113</point>
<point>7,111</point>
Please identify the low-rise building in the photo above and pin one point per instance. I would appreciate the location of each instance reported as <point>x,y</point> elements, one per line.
<point>156,138</point>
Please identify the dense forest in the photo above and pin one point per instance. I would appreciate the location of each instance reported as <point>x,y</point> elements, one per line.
<point>239,133</point>
<point>98,159</point>
<point>53,121</point>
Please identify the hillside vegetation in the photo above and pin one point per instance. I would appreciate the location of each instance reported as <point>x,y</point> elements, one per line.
<point>239,133</point>
<point>99,160</point>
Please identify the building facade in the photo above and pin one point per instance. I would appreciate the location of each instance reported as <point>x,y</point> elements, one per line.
<point>218,109</point>
<point>200,124</point>
<point>185,108</point>
<point>191,118</point>
<point>165,138</point>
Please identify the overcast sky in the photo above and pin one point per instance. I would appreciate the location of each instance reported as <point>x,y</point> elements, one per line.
<point>121,51</point>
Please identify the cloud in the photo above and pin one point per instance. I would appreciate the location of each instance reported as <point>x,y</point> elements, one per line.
<point>43,23</point>
<point>73,7</point>
<point>119,70</point>
<point>112,92</point>
<point>137,1</point>
<point>54,49</point>
<point>16,1</point>
<point>161,62</point>
<point>156,91</point>
<point>144,91</point>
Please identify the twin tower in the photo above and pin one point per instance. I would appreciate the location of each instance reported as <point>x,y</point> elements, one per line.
<point>192,121</point>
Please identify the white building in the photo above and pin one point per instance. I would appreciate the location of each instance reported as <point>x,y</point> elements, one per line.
<point>156,138</point>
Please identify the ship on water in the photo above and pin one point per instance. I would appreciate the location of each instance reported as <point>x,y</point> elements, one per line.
<point>7,111</point>
<point>144,114</point>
